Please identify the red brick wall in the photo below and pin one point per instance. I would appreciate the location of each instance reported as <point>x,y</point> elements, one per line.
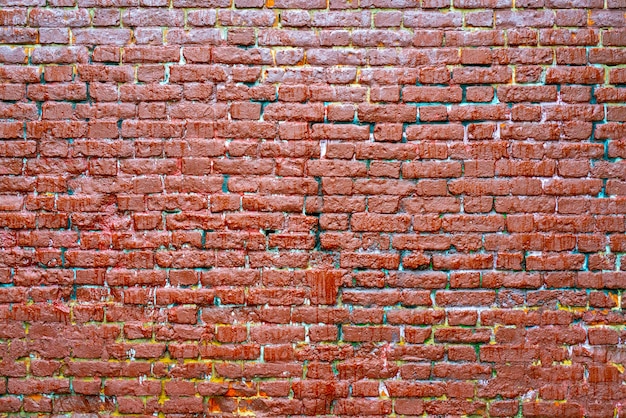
<point>313,207</point>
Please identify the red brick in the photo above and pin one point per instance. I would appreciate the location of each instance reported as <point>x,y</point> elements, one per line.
<point>328,204</point>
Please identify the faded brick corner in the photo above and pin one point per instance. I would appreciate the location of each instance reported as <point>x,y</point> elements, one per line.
<point>313,207</point>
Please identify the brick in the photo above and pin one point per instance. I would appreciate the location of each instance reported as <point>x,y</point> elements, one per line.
<point>343,208</point>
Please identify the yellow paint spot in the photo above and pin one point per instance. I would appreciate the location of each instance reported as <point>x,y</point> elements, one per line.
<point>162,397</point>
<point>216,379</point>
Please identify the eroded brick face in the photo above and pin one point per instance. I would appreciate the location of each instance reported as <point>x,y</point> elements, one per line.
<point>309,207</point>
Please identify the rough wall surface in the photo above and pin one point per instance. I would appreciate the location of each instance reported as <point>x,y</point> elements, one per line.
<point>304,207</point>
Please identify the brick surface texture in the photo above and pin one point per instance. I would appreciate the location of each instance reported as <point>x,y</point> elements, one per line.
<point>313,207</point>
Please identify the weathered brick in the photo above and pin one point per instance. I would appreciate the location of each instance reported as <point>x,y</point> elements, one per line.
<point>422,200</point>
